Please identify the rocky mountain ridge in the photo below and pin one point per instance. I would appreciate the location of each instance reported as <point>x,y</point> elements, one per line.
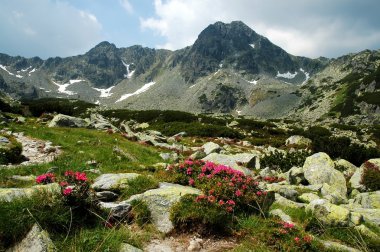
<point>229,69</point>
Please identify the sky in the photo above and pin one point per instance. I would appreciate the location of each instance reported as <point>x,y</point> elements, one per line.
<point>312,28</point>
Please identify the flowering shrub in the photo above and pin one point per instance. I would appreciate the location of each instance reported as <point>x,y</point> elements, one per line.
<point>271,180</point>
<point>295,236</point>
<point>75,188</point>
<point>371,176</point>
<point>46,178</point>
<point>221,186</point>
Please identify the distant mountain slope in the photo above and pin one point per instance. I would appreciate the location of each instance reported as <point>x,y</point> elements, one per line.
<point>229,69</point>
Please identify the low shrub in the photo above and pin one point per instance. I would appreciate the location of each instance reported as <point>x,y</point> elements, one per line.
<point>371,176</point>
<point>10,152</point>
<point>284,161</point>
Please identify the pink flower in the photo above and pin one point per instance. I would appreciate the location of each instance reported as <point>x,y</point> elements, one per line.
<point>67,191</point>
<point>69,173</point>
<point>231,202</point>
<point>229,209</point>
<point>259,193</point>
<point>63,183</point>
<point>191,182</point>
<point>189,162</point>
<point>211,198</point>
<point>219,184</point>
<point>221,202</point>
<point>296,239</point>
<point>189,171</point>
<point>45,178</point>
<point>238,193</point>
<point>201,175</point>
<point>80,176</point>
<point>288,225</point>
<point>307,238</point>
<point>211,191</point>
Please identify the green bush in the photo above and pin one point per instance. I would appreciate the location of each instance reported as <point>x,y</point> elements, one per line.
<point>57,105</point>
<point>371,176</point>
<point>284,161</point>
<point>200,217</point>
<point>10,152</point>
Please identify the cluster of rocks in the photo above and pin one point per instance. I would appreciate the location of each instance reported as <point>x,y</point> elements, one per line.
<point>34,151</point>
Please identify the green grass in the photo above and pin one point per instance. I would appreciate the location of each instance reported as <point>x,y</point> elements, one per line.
<point>82,145</point>
<point>139,185</point>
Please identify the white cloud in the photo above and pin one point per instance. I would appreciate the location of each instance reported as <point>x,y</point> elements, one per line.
<point>126,5</point>
<point>327,28</point>
<point>46,28</point>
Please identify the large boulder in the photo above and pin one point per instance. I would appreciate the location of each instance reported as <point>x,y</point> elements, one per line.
<point>368,200</point>
<point>345,167</point>
<point>211,147</point>
<point>61,120</point>
<point>9,194</point>
<point>295,176</point>
<point>10,150</point>
<point>160,201</point>
<point>329,214</point>
<point>97,121</point>
<point>320,169</point>
<point>125,247</point>
<point>36,240</point>
<point>281,215</point>
<point>298,140</point>
<point>113,181</point>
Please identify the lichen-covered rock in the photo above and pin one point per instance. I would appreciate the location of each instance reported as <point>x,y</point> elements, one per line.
<point>334,194</point>
<point>366,232</point>
<point>282,201</point>
<point>36,240</point>
<point>320,169</point>
<point>368,200</point>
<point>308,197</point>
<point>298,140</point>
<point>335,246</point>
<point>160,201</point>
<point>125,247</point>
<point>345,167</point>
<point>296,176</point>
<point>211,147</point>
<point>97,121</point>
<point>280,214</point>
<point>113,181</point>
<point>329,214</point>
<point>9,194</point>
<point>61,120</point>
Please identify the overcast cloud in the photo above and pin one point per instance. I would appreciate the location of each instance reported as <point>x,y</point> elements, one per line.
<point>46,28</point>
<point>302,27</point>
<point>312,28</point>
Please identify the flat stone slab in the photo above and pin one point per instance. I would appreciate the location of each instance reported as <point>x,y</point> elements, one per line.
<point>113,181</point>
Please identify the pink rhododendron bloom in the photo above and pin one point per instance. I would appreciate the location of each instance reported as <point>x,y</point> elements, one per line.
<point>201,175</point>
<point>259,193</point>
<point>81,176</point>
<point>211,198</point>
<point>288,225</point>
<point>63,183</point>
<point>229,209</point>
<point>221,202</point>
<point>296,239</point>
<point>231,202</point>
<point>211,191</point>
<point>69,173</point>
<point>238,193</point>
<point>219,184</point>
<point>191,182</point>
<point>189,171</point>
<point>307,238</point>
<point>189,162</point>
<point>67,191</point>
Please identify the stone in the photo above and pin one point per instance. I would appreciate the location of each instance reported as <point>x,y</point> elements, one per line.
<point>335,246</point>
<point>61,120</point>
<point>29,178</point>
<point>368,200</point>
<point>36,240</point>
<point>20,119</point>
<point>170,156</point>
<point>281,215</point>
<point>106,196</point>
<point>329,214</point>
<point>113,181</point>
<point>195,244</point>
<point>125,247</point>
<point>282,201</point>
<point>296,176</point>
<point>307,197</point>
<point>211,147</point>
<point>298,140</point>
<point>288,193</point>
<point>9,194</point>
<point>197,155</point>
<point>160,201</point>
<point>356,219</point>
<point>267,172</point>
<point>333,194</point>
<point>97,121</point>
<point>348,169</point>
<point>366,232</point>
<point>117,211</point>
<point>320,169</point>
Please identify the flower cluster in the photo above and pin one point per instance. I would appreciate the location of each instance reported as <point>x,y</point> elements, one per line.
<point>271,180</point>
<point>290,231</point>
<point>46,178</point>
<point>221,185</point>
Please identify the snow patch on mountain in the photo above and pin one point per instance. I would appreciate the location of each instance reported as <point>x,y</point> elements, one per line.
<point>105,92</point>
<point>252,45</point>
<point>307,76</point>
<point>32,71</point>
<point>6,70</point>
<point>287,75</point>
<point>254,82</point>
<point>129,73</point>
<point>138,91</point>
<point>62,87</point>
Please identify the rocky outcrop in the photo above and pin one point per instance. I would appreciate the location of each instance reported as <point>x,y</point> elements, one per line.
<point>320,169</point>
<point>298,140</point>
<point>211,147</point>
<point>234,161</point>
<point>113,181</point>
<point>36,240</point>
<point>61,120</point>
<point>9,194</point>
<point>160,201</point>
<point>329,214</point>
